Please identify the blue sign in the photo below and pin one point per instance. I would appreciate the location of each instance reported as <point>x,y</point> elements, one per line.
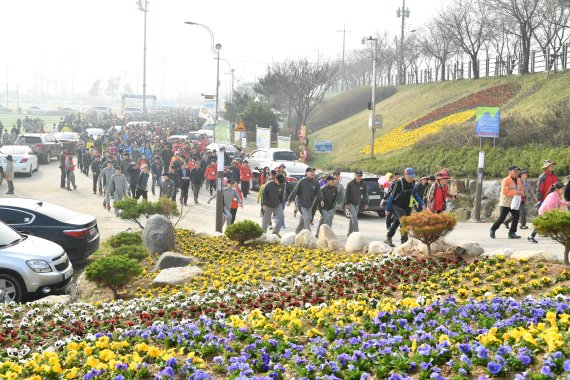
<point>323,146</point>
<point>488,122</point>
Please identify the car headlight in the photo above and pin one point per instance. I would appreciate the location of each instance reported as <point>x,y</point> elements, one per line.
<point>39,266</point>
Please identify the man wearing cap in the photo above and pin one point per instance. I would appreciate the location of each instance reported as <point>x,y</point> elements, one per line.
<point>306,192</point>
<point>272,197</point>
<point>422,187</point>
<point>245,176</point>
<point>529,195</point>
<point>399,202</point>
<point>234,171</point>
<point>546,180</point>
<point>510,187</point>
<point>330,199</point>
<point>118,187</point>
<point>167,187</point>
<point>340,188</point>
<point>356,196</point>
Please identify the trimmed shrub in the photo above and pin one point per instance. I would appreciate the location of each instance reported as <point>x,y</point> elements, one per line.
<point>555,224</point>
<point>428,227</point>
<point>131,209</point>
<point>125,238</point>
<point>113,272</point>
<point>135,252</point>
<point>243,231</point>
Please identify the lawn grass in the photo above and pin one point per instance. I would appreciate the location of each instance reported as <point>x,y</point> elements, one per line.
<point>10,119</point>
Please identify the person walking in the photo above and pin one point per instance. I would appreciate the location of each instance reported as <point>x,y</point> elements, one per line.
<point>510,187</point>
<point>9,174</point>
<point>438,193</point>
<point>245,175</point>
<point>403,191</point>
<point>330,199</point>
<point>228,195</point>
<point>306,192</point>
<point>235,204</point>
<point>61,159</point>
<point>271,200</point>
<point>196,178</point>
<point>156,169</point>
<point>184,175</point>
<point>567,193</point>
<point>546,180</point>
<point>211,172</point>
<point>133,176</point>
<point>553,201</point>
<point>355,199</point>
<point>529,195</point>
<point>167,186</point>
<point>388,187</point>
<point>118,187</point>
<point>105,183</point>
<point>70,172</point>
<point>142,184</point>
<point>422,188</point>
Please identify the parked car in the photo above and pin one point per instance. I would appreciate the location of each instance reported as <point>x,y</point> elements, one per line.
<point>95,132</point>
<point>36,110</point>
<point>44,145</point>
<point>30,265</point>
<point>77,233</point>
<point>70,140</point>
<point>5,109</point>
<point>274,157</point>
<point>199,140</point>
<point>231,150</point>
<point>375,193</point>
<point>24,159</point>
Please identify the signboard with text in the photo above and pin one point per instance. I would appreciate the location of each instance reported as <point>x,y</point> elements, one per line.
<point>488,122</point>
<point>284,142</point>
<point>222,132</point>
<point>263,137</point>
<point>323,146</point>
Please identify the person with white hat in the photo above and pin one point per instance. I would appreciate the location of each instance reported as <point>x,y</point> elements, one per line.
<point>546,180</point>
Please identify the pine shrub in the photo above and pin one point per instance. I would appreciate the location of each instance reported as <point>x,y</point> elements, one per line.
<point>427,226</point>
<point>135,252</point>
<point>113,272</point>
<point>125,238</point>
<point>243,231</point>
<point>555,224</point>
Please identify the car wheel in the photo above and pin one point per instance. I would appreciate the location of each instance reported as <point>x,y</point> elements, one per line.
<point>347,213</point>
<point>11,289</point>
<point>382,214</point>
<point>30,171</point>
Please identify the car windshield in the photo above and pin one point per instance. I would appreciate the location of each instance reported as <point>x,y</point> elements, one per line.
<point>13,150</point>
<point>8,236</point>
<point>30,139</point>
<point>284,156</point>
<point>372,184</point>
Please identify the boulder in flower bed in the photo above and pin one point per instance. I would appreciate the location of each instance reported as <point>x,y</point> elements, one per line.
<point>472,249</point>
<point>379,248</point>
<point>172,260</point>
<point>305,239</point>
<point>506,252</point>
<point>271,239</point>
<point>176,276</point>
<point>158,234</point>
<point>328,239</point>
<point>288,239</point>
<point>534,255</point>
<point>53,300</point>
<point>355,243</point>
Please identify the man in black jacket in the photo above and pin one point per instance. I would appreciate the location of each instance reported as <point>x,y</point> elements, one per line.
<point>355,196</point>
<point>306,192</point>
<point>271,199</point>
<point>96,170</point>
<point>142,184</point>
<point>330,199</point>
<point>133,172</point>
<point>184,175</point>
<point>196,178</point>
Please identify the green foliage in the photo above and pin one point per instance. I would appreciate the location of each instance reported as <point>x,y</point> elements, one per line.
<point>125,238</point>
<point>113,272</point>
<point>235,109</point>
<point>244,231</point>
<point>135,252</point>
<point>259,114</point>
<point>428,227</point>
<point>555,224</point>
<point>133,210</point>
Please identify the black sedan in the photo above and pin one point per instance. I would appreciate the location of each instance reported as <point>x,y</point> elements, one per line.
<point>76,233</point>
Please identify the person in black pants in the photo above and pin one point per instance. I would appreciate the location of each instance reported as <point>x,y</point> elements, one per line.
<point>510,187</point>
<point>196,177</point>
<point>142,184</point>
<point>62,168</point>
<point>96,170</point>
<point>184,175</point>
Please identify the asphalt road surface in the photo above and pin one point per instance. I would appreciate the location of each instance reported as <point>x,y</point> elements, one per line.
<point>44,185</point>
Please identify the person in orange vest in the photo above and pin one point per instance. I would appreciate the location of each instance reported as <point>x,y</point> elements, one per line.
<point>210,174</point>
<point>245,176</point>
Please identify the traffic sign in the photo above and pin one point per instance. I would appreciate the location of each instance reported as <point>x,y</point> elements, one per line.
<point>304,155</point>
<point>378,121</point>
<point>241,127</point>
<point>302,132</point>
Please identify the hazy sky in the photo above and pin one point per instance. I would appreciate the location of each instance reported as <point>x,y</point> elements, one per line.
<point>62,46</point>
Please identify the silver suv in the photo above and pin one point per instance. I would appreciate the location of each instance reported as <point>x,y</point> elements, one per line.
<point>29,265</point>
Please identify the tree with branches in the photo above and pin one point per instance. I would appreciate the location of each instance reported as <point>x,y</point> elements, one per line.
<point>436,43</point>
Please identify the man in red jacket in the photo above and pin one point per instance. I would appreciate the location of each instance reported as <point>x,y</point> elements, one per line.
<point>546,180</point>
<point>245,176</point>
<point>210,174</point>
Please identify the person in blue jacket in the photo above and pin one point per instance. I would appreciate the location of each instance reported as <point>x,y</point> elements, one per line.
<point>400,203</point>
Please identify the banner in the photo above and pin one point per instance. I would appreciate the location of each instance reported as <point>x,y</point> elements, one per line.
<point>323,146</point>
<point>240,139</point>
<point>284,142</point>
<point>488,122</point>
<point>208,109</point>
<point>263,137</point>
<point>222,132</point>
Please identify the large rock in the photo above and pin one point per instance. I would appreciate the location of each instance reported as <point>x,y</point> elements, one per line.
<point>288,239</point>
<point>472,187</point>
<point>506,252</point>
<point>534,255</point>
<point>305,239</point>
<point>488,207</point>
<point>53,300</point>
<point>408,247</point>
<point>491,189</point>
<point>355,243</point>
<point>438,246</point>
<point>472,249</point>
<point>462,214</point>
<point>158,234</point>
<point>328,239</point>
<point>379,248</point>
<point>458,187</point>
<point>172,260</point>
<point>272,239</point>
<point>176,276</point>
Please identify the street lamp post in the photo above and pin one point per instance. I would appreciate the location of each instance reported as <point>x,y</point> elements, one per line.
<point>373,100</point>
<point>404,14</point>
<point>216,47</point>
<point>144,8</point>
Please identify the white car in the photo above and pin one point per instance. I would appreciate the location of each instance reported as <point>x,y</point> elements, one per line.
<point>35,110</point>
<point>209,133</point>
<point>25,161</point>
<point>95,132</point>
<point>30,265</point>
<point>274,157</point>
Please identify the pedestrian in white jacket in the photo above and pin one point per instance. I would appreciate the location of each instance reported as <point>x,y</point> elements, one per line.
<point>118,187</point>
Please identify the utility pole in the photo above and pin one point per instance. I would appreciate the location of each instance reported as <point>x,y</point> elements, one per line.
<point>403,13</point>
<point>344,31</point>
<point>144,8</point>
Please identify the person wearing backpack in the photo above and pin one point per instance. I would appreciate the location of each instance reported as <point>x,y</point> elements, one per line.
<point>439,193</point>
<point>399,203</point>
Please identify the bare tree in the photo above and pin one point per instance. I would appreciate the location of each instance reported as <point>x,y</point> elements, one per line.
<point>437,44</point>
<point>553,31</point>
<point>527,15</point>
<point>469,23</point>
<point>506,45</point>
<point>95,86</point>
<point>305,84</point>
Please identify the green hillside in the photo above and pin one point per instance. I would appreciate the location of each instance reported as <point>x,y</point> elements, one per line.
<point>535,94</point>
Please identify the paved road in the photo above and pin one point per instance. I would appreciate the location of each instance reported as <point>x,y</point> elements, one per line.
<point>44,185</point>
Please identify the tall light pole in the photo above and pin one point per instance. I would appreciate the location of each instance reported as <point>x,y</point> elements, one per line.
<point>143,7</point>
<point>343,31</point>
<point>216,47</point>
<point>373,85</point>
<point>404,14</point>
<point>230,72</point>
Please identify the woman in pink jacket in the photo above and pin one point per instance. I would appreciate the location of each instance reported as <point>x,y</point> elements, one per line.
<point>553,201</point>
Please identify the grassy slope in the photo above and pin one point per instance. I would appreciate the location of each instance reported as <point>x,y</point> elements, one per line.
<point>410,102</point>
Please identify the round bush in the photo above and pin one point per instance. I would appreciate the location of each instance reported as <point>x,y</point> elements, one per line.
<point>135,252</point>
<point>244,231</point>
<point>125,238</point>
<point>113,272</point>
